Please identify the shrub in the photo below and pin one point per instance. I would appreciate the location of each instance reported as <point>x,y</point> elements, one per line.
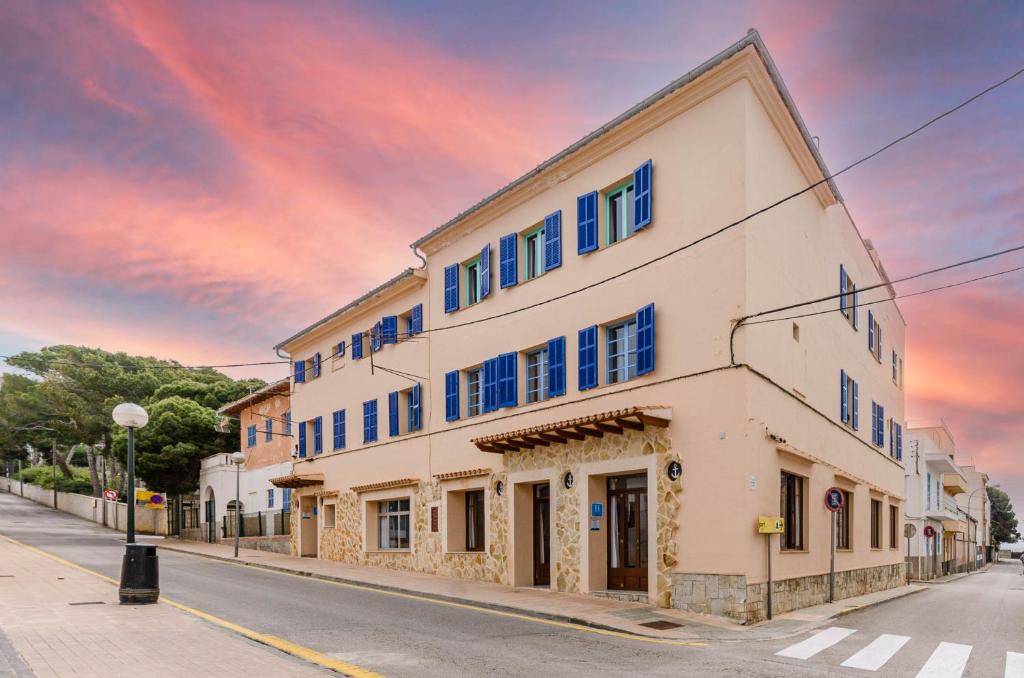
<point>79,483</point>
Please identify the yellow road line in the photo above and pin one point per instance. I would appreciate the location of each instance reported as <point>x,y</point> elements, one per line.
<point>465,606</point>
<point>281,644</point>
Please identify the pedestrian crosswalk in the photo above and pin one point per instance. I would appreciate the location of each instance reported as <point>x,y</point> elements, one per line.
<point>947,660</point>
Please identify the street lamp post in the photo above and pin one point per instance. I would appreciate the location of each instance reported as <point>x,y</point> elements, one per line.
<point>238,459</point>
<point>99,449</point>
<point>974,545</point>
<point>139,573</point>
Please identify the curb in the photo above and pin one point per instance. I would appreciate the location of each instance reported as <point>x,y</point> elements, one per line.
<point>865,606</point>
<point>469,602</point>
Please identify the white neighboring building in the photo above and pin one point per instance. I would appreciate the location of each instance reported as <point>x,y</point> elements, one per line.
<point>265,439</point>
<point>933,482</point>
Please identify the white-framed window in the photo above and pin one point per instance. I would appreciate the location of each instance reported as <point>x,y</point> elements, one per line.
<point>848,308</point>
<point>473,282</point>
<point>474,400</point>
<point>330,513</point>
<point>536,375</point>
<point>875,337</point>
<point>476,518</point>
<point>533,253</point>
<point>270,498</point>
<point>621,346</point>
<point>619,213</point>
<point>393,524</point>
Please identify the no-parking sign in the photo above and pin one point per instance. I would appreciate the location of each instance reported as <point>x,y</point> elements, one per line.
<point>834,499</point>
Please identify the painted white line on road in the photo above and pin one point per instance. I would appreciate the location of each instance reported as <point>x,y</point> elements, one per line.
<point>1014,665</point>
<point>816,643</point>
<point>875,655</point>
<point>948,661</point>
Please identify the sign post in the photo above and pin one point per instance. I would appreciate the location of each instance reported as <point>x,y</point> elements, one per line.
<point>929,533</point>
<point>834,500</point>
<point>909,531</point>
<point>769,525</point>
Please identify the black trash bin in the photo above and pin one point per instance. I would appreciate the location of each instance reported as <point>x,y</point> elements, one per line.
<point>140,577</point>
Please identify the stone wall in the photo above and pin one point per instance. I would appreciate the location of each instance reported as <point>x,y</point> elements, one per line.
<point>570,457</point>
<point>344,542</point>
<point>731,596</point>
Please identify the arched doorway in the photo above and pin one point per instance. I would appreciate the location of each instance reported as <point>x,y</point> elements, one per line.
<point>235,512</point>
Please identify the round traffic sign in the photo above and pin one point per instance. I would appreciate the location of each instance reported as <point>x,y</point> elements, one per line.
<point>834,499</point>
<point>929,531</point>
<point>110,495</point>
<point>909,530</point>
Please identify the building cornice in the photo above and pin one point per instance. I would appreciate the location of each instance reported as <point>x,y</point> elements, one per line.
<point>747,60</point>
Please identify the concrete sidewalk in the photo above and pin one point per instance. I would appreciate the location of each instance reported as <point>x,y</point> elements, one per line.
<point>602,613</point>
<point>56,620</point>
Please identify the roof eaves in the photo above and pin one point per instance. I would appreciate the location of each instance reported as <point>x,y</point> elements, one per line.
<point>751,38</point>
<point>349,306</point>
<point>274,388</point>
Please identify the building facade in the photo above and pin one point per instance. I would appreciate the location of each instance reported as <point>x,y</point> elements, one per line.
<point>947,504</point>
<point>265,438</point>
<point>563,395</point>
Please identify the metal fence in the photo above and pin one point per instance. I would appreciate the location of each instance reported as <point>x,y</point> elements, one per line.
<point>258,524</point>
<point>182,514</point>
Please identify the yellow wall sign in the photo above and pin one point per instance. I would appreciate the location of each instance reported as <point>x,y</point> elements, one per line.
<point>770,524</point>
<point>150,500</point>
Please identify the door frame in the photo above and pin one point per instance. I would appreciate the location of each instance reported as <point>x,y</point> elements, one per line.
<point>533,542</point>
<point>592,482</point>
<point>608,520</point>
<point>519,486</point>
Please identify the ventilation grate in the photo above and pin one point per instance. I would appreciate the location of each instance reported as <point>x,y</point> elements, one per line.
<point>88,602</point>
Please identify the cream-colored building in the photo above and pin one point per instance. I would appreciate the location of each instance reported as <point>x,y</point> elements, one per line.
<point>561,396</point>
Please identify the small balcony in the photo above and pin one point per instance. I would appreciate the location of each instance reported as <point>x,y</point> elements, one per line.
<point>946,510</point>
<point>954,483</point>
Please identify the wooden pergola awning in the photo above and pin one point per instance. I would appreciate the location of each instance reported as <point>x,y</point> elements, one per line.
<point>294,480</point>
<point>614,422</point>
<point>468,473</point>
<point>385,485</point>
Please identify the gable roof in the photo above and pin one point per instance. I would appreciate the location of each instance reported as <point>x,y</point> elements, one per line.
<point>752,38</point>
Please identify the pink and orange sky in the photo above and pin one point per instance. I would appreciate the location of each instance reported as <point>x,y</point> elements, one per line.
<point>198,180</point>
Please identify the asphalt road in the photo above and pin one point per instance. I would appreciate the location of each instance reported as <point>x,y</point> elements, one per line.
<point>404,637</point>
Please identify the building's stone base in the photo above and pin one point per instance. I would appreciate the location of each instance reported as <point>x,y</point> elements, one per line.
<point>276,544</point>
<point>625,596</point>
<point>731,596</point>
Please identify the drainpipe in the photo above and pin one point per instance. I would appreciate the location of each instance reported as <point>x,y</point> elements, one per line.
<point>419,256</point>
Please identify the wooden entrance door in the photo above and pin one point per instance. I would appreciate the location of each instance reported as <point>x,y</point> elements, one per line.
<point>542,535</point>
<point>627,533</point>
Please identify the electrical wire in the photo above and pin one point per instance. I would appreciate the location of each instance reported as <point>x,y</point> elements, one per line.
<point>893,298</point>
<point>677,250</point>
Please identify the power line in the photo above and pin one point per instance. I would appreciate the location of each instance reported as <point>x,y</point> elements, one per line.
<point>893,298</point>
<point>742,220</point>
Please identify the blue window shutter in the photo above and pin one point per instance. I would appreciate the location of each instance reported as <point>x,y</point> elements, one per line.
<point>553,240</point>
<point>300,371</point>
<point>316,364</point>
<point>369,421</point>
<point>490,384</point>
<point>451,395</point>
<point>842,288</point>
<point>588,357</point>
<point>856,406</point>
<point>881,426</point>
<point>485,271</point>
<point>417,319</point>
<point>844,398</point>
<point>302,439</point>
<point>586,223</point>
<point>899,442</point>
<point>318,435</point>
<point>878,339</point>
<point>556,367</point>
<point>508,390</point>
<point>393,413</point>
<point>288,422</point>
<point>415,418</point>
<point>871,331</point>
<point>875,423</point>
<point>854,307</point>
<point>508,268</point>
<point>357,346</point>
<point>645,340</point>
<point>389,329</point>
<point>269,428</point>
<point>339,429</point>
<point>451,288</point>
<point>341,349</point>
<point>642,196</point>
